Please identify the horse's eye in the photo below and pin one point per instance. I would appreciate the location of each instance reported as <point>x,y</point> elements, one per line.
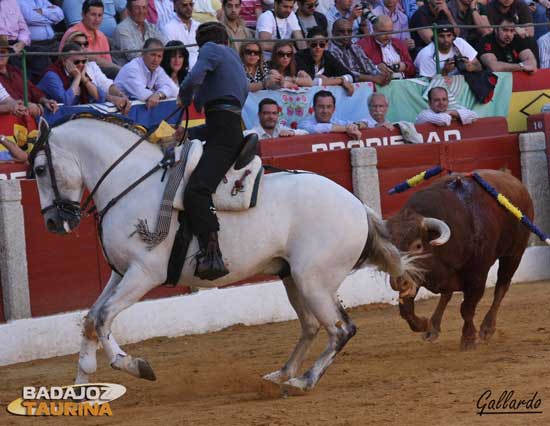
<point>39,170</point>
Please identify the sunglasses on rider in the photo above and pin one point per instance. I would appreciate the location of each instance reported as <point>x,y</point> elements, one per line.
<point>251,52</point>
<point>284,54</point>
<point>312,5</point>
<point>80,62</point>
<point>82,43</point>
<point>315,44</point>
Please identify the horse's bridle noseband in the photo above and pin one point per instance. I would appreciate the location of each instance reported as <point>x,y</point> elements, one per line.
<point>67,209</point>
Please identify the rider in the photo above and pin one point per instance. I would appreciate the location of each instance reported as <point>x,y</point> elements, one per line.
<point>218,83</point>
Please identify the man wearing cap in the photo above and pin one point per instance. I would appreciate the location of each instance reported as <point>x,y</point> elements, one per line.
<point>455,55</point>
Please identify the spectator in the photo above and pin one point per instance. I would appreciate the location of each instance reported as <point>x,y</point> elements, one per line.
<point>67,80</point>
<point>165,12</point>
<point>470,12</point>
<point>324,105</point>
<point>378,108</point>
<point>409,7</point>
<point>233,23</point>
<point>344,9</point>
<point>284,70</point>
<point>40,15</point>
<point>257,71</point>
<point>505,50</point>
<point>269,127</point>
<point>13,152</point>
<point>439,112</point>
<point>132,32</point>
<point>321,65</point>
<point>544,50</point>
<point>206,10</point>
<point>352,56</point>
<point>183,28</point>
<point>308,17</point>
<point>72,10</point>
<point>390,54</point>
<point>92,17</point>
<point>11,79</point>
<point>175,62</point>
<point>112,92</point>
<point>250,10</point>
<point>281,23</point>
<point>144,79</point>
<point>398,18</point>
<point>426,16</point>
<point>449,47</point>
<point>12,24</point>
<point>539,11</point>
<point>517,10</point>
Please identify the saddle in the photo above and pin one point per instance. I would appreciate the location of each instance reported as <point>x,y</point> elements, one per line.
<point>239,189</point>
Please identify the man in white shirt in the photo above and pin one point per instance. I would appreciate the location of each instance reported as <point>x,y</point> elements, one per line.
<point>269,127</point>
<point>144,79</point>
<point>279,23</point>
<point>183,27</point>
<point>439,112</point>
<point>455,54</point>
<point>324,105</point>
<point>378,108</point>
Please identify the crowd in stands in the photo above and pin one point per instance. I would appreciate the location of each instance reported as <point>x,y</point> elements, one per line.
<point>294,48</point>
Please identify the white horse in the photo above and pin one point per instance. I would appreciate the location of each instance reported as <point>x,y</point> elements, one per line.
<point>304,224</point>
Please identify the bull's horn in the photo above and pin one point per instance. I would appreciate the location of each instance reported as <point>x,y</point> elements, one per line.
<point>439,226</point>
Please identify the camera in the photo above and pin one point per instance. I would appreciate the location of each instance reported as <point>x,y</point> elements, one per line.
<point>460,63</point>
<point>367,12</point>
<point>394,67</point>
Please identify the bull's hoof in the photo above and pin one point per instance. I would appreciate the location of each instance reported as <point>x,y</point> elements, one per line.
<point>430,336</point>
<point>485,334</point>
<point>468,344</point>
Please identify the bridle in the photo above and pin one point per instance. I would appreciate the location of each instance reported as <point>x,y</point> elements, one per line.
<point>66,209</point>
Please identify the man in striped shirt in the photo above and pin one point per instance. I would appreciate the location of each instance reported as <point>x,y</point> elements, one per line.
<point>439,112</point>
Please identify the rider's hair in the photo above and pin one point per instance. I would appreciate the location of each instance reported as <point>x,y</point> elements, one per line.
<point>323,94</point>
<point>266,101</point>
<point>212,31</point>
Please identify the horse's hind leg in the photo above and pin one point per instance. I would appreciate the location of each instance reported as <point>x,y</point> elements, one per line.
<point>310,327</point>
<point>320,296</point>
<point>87,363</point>
<point>506,268</point>
<point>133,286</point>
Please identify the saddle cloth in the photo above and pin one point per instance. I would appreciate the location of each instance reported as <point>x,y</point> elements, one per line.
<point>238,190</point>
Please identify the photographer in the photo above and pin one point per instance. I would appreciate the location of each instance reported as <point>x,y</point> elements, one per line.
<point>456,55</point>
<point>343,9</point>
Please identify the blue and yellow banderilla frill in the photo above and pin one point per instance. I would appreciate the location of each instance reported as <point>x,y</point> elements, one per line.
<point>415,180</point>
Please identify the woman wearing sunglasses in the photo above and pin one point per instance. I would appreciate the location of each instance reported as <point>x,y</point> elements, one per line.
<point>321,65</point>
<point>283,67</point>
<point>257,71</point>
<point>67,82</point>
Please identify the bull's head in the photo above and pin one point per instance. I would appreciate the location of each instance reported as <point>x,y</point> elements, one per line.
<point>416,235</point>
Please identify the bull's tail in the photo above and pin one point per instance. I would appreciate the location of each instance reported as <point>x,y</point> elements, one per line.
<point>380,252</point>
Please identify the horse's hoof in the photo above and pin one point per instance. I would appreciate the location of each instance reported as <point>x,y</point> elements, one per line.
<point>430,336</point>
<point>145,370</point>
<point>276,377</point>
<point>295,387</point>
<point>81,377</point>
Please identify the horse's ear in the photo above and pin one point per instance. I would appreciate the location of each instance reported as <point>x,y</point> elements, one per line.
<point>43,128</point>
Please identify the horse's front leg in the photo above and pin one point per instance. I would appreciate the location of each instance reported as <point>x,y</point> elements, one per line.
<point>87,362</point>
<point>134,285</point>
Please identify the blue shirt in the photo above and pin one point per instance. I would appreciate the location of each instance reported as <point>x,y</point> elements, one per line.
<point>73,14</point>
<point>218,74</point>
<point>40,24</point>
<point>52,86</point>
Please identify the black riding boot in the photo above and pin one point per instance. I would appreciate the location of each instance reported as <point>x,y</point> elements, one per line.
<point>210,264</point>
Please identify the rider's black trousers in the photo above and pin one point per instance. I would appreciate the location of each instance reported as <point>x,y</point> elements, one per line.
<point>224,140</point>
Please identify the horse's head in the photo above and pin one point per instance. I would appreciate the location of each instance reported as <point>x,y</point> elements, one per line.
<point>59,181</point>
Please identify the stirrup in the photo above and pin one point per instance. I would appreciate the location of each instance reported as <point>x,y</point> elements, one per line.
<point>210,266</point>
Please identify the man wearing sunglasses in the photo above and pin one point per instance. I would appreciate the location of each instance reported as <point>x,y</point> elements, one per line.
<point>183,28</point>
<point>308,17</point>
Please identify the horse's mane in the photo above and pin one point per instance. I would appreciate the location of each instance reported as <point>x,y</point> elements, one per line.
<point>109,117</point>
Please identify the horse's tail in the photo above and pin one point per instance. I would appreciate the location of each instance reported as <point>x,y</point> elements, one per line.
<point>379,251</point>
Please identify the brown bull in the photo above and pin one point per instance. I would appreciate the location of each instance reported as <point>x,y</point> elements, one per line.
<point>458,256</point>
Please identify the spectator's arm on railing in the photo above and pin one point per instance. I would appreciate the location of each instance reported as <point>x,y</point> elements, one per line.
<point>300,43</point>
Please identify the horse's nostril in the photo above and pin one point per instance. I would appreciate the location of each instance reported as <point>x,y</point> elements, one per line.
<point>50,224</point>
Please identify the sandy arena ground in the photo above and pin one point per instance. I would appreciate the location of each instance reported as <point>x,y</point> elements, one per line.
<point>385,376</point>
